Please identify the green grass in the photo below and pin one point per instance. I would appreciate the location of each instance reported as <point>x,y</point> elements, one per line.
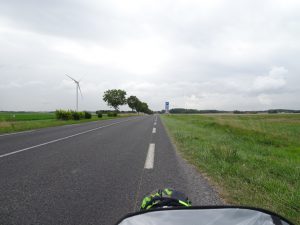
<point>28,121</point>
<point>18,116</point>
<point>253,159</point>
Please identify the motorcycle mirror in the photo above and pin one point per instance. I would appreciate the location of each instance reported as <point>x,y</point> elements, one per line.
<point>225,215</point>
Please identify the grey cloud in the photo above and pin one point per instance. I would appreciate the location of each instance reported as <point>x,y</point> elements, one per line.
<point>96,21</point>
<point>274,80</point>
<point>200,54</point>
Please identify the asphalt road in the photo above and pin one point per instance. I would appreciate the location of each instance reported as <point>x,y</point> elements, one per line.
<point>92,173</point>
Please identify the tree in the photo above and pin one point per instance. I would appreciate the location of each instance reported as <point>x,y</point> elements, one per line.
<point>133,102</point>
<point>115,98</point>
<point>139,106</point>
<point>144,108</point>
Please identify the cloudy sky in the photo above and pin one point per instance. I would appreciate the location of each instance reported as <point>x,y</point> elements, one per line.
<point>194,53</point>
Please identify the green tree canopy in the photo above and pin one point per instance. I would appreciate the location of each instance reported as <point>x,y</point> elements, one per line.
<point>143,107</point>
<point>138,106</point>
<point>133,102</point>
<point>115,98</point>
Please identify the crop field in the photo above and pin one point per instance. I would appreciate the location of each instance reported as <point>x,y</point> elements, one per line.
<point>20,116</point>
<point>253,160</point>
<point>21,121</point>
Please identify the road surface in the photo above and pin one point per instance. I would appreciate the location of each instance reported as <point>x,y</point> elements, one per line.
<point>91,173</point>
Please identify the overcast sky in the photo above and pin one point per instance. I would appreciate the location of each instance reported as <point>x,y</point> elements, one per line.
<point>200,54</point>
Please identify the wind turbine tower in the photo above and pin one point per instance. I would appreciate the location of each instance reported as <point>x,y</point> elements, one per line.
<point>77,88</point>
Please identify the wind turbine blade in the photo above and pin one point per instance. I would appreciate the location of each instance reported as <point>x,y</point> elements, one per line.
<point>79,89</point>
<point>72,78</point>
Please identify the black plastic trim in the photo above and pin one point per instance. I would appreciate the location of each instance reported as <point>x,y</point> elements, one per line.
<point>272,214</point>
<point>276,220</point>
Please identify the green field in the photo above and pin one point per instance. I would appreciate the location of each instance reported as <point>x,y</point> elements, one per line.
<point>254,160</point>
<point>21,121</point>
<point>19,116</point>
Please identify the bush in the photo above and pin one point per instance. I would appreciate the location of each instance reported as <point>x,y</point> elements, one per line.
<point>87,115</point>
<point>58,114</point>
<point>112,114</point>
<point>68,115</point>
<point>76,115</point>
<point>63,114</point>
<point>99,113</point>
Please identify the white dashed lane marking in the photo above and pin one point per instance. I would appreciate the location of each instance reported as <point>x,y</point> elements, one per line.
<point>150,157</point>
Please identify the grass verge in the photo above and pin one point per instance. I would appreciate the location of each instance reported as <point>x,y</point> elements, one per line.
<point>36,121</point>
<point>253,159</point>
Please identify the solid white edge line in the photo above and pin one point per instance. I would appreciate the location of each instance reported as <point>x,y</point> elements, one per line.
<point>21,132</point>
<point>60,139</point>
<point>68,125</point>
<point>154,130</point>
<point>150,157</point>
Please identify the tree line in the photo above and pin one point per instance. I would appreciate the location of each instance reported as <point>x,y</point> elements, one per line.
<point>117,97</point>
<point>196,111</point>
<point>193,111</point>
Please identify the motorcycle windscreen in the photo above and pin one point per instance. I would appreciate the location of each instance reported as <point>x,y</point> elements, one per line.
<point>225,216</point>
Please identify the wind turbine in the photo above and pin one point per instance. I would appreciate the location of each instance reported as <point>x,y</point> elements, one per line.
<point>77,88</point>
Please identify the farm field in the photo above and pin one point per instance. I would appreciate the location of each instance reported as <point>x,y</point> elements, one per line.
<point>20,116</point>
<point>253,160</point>
<point>21,121</point>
